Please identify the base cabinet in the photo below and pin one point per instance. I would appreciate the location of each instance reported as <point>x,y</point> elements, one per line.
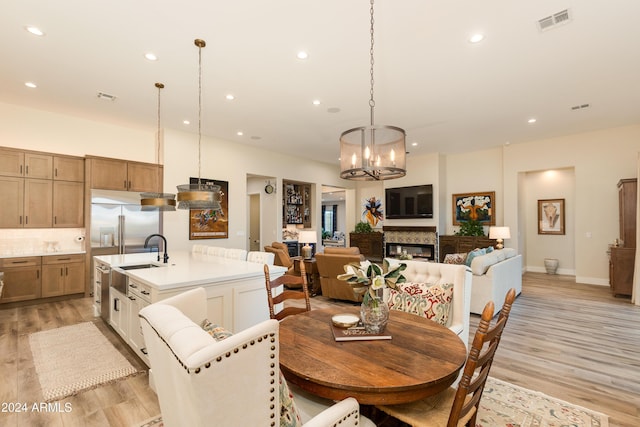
<point>370,245</point>
<point>62,275</point>
<point>462,244</point>
<point>621,266</point>
<point>22,279</point>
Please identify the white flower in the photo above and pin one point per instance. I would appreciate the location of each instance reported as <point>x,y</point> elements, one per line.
<point>378,282</point>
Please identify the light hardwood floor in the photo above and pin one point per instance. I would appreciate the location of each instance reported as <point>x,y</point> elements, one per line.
<point>572,341</point>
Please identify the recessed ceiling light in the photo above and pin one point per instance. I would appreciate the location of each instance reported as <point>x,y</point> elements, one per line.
<point>32,85</point>
<point>151,56</point>
<point>186,122</point>
<point>302,55</point>
<point>414,144</point>
<point>476,38</point>
<point>239,133</point>
<point>34,30</point>
<point>230,97</point>
<point>532,120</point>
<point>316,102</point>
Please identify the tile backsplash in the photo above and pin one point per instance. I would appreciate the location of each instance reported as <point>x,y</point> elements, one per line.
<point>22,241</point>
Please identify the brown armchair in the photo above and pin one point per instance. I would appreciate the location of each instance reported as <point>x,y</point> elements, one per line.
<point>280,252</point>
<point>330,264</point>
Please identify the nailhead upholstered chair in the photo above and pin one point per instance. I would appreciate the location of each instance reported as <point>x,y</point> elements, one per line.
<point>454,407</point>
<point>216,251</point>
<point>233,253</point>
<point>228,383</point>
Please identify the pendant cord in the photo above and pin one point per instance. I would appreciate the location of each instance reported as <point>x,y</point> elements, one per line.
<point>372,103</point>
<point>160,86</point>
<point>199,111</point>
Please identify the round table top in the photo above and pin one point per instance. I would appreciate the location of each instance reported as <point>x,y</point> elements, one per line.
<point>421,359</point>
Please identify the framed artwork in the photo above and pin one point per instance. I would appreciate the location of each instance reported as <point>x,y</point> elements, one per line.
<point>551,216</point>
<point>372,212</point>
<point>474,207</point>
<point>206,223</point>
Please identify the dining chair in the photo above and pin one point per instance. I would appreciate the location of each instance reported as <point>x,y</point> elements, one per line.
<point>233,253</point>
<point>199,249</point>
<point>216,251</point>
<point>261,257</point>
<point>277,296</point>
<point>454,407</point>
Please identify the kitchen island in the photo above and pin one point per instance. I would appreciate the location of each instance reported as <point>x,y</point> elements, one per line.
<point>236,293</point>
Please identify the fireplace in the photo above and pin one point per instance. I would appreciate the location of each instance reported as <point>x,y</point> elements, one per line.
<point>419,242</point>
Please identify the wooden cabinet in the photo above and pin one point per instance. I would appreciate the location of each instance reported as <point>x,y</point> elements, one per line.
<point>62,275</point>
<point>627,200</point>
<point>22,279</point>
<point>68,204</point>
<point>41,190</point>
<point>621,265</point>
<point>114,174</point>
<point>461,244</point>
<point>370,244</point>
<point>68,168</point>
<point>296,203</point>
<point>38,203</point>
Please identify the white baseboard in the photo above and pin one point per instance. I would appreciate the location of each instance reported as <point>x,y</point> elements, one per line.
<point>568,272</point>
<point>592,281</point>
<point>562,271</point>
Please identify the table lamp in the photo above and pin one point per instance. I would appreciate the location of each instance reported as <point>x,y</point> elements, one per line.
<point>306,237</point>
<point>499,233</point>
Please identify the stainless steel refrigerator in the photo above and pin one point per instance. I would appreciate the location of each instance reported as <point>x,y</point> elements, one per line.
<point>118,225</point>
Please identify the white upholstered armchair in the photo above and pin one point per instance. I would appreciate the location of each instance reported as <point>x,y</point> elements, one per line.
<point>232,382</point>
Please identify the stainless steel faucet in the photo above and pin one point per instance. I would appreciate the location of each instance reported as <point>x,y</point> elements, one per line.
<point>146,243</point>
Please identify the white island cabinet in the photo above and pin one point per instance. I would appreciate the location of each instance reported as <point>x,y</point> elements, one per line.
<point>236,293</point>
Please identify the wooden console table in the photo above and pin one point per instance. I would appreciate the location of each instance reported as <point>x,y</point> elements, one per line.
<point>462,244</point>
<point>370,245</point>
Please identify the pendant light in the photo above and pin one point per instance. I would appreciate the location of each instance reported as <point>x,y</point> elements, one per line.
<point>372,152</point>
<point>158,201</point>
<point>200,195</point>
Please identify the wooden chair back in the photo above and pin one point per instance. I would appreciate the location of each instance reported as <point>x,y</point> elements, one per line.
<point>476,370</point>
<point>286,280</point>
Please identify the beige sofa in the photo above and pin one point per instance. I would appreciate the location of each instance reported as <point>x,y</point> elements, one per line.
<point>493,275</point>
<point>436,273</point>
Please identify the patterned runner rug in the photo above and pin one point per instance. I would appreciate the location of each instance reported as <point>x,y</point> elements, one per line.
<point>507,405</point>
<point>75,358</point>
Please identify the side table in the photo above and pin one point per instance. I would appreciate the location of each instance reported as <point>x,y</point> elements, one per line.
<point>313,277</point>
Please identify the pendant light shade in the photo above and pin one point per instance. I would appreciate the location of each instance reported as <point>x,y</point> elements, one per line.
<point>372,152</point>
<point>199,195</point>
<point>158,201</point>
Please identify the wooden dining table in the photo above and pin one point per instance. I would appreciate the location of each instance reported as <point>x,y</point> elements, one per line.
<point>421,359</point>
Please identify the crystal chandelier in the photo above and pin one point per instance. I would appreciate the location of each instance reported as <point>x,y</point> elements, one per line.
<point>158,201</point>
<point>200,195</point>
<point>372,152</point>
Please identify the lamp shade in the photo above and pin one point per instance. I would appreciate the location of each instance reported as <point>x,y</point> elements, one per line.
<point>499,233</point>
<point>307,236</point>
<point>373,153</point>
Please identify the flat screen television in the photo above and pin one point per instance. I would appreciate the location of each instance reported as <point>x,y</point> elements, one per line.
<point>409,202</point>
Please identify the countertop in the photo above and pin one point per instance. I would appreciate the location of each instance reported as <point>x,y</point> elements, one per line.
<point>186,269</point>
<point>42,253</point>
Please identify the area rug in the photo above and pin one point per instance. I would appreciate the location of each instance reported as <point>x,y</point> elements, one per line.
<point>505,404</point>
<point>75,358</point>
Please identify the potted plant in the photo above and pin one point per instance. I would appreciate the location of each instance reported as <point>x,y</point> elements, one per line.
<point>471,228</point>
<point>363,227</point>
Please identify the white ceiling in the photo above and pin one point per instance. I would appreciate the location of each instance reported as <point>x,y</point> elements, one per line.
<point>448,94</point>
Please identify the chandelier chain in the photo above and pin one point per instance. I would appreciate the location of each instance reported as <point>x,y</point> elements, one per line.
<point>199,110</point>
<point>372,102</point>
<point>159,86</point>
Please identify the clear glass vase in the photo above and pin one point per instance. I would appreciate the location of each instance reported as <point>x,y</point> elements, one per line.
<point>374,313</point>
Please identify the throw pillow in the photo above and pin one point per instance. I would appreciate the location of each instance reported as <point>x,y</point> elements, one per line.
<point>454,258</point>
<point>423,299</point>
<point>489,249</point>
<point>474,253</point>
<point>289,416</point>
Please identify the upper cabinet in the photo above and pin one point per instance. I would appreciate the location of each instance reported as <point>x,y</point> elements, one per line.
<point>114,174</point>
<point>297,203</point>
<point>41,190</point>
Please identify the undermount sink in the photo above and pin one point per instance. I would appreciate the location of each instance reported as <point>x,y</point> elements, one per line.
<point>137,267</point>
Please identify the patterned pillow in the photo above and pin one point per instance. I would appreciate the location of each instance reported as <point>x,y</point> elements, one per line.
<point>455,258</point>
<point>423,299</point>
<point>289,416</point>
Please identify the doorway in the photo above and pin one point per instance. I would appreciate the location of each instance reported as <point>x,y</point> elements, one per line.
<point>333,215</point>
<point>254,222</point>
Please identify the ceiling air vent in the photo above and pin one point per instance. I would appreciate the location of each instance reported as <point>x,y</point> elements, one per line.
<point>561,17</point>
<point>103,95</point>
<point>580,107</point>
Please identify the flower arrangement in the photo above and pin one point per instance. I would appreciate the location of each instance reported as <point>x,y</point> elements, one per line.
<point>368,277</point>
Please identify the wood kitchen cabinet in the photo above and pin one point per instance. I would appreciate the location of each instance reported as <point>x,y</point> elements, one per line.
<point>38,203</point>
<point>62,275</point>
<point>26,164</point>
<point>621,265</point>
<point>67,168</point>
<point>22,279</point>
<point>115,174</point>
<point>68,204</point>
